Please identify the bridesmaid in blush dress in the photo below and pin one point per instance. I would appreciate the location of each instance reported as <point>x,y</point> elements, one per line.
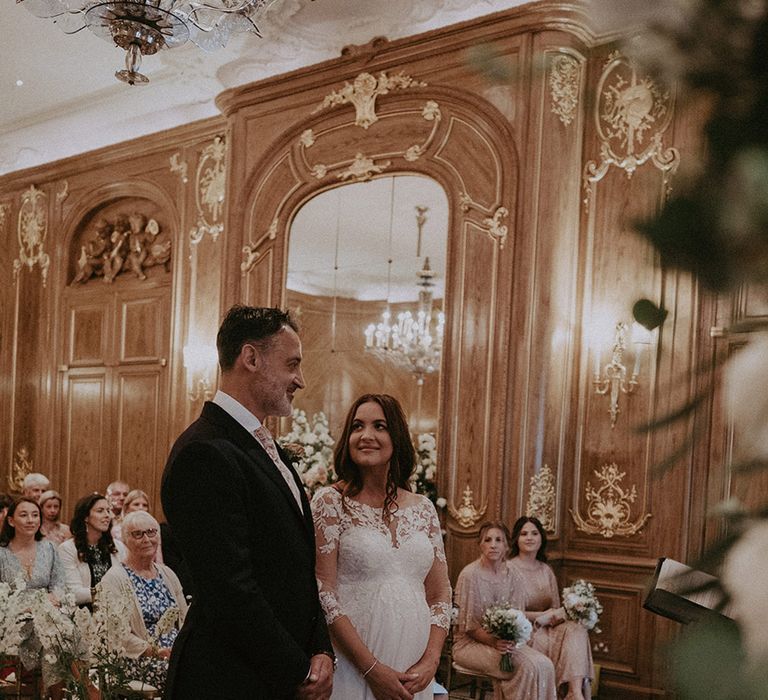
<point>488,581</point>
<point>564,641</point>
<point>381,567</point>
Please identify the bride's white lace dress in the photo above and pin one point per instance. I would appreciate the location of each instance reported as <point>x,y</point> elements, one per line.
<point>389,579</point>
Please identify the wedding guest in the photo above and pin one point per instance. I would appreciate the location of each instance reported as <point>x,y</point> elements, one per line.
<point>91,551</point>
<point>154,590</point>
<point>33,486</point>
<point>137,500</point>
<point>52,528</point>
<point>116,493</point>
<point>5,503</point>
<point>564,641</point>
<point>487,581</point>
<point>382,570</point>
<point>26,556</point>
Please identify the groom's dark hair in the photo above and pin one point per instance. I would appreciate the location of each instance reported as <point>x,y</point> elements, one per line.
<point>249,324</point>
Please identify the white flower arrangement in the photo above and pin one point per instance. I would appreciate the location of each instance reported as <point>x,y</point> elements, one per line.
<point>423,479</point>
<point>508,623</point>
<point>13,616</point>
<point>581,604</point>
<point>310,447</point>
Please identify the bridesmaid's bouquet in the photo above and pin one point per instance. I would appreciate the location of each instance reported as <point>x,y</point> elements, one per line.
<point>507,623</point>
<point>581,604</point>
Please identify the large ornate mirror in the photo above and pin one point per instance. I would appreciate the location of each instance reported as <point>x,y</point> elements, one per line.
<point>356,252</point>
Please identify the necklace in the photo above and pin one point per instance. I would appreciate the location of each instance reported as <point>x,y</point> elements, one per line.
<point>26,558</point>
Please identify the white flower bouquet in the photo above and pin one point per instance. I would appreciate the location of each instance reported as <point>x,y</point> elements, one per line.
<point>581,604</point>
<point>310,446</point>
<point>507,623</point>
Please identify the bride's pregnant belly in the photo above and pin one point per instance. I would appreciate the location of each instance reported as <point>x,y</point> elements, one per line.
<point>381,590</point>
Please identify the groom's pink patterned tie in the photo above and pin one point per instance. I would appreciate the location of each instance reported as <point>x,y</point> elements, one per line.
<point>267,442</point>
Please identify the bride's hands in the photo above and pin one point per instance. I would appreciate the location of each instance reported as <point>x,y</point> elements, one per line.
<point>424,670</point>
<point>387,684</point>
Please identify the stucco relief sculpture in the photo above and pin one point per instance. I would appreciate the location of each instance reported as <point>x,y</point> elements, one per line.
<point>32,231</point>
<point>564,81</point>
<point>541,498</point>
<point>609,507</point>
<point>127,244</point>
<point>210,191</point>
<point>362,94</point>
<point>632,114</point>
<point>22,465</point>
<point>467,514</point>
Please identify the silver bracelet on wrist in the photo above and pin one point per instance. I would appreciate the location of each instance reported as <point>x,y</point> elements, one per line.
<point>375,661</point>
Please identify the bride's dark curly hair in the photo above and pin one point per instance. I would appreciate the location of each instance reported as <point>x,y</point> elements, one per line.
<point>403,460</point>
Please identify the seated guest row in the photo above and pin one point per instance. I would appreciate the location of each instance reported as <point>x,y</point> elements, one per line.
<point>91,557</point>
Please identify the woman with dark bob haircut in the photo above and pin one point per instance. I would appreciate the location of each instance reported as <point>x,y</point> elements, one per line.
<point>564,641</point>
<point>380,562</point>
<point>91,551</point>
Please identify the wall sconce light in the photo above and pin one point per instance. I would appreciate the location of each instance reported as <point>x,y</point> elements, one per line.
<point>200,362</point>
<point>613,379</point>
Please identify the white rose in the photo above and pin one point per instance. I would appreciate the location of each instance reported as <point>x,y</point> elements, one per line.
<point>745,577</point>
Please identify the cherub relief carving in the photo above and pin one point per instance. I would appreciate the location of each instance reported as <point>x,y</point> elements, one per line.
<point>130,243</point>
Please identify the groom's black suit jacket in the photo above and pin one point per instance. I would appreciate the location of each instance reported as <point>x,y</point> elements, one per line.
<point>255,620</point>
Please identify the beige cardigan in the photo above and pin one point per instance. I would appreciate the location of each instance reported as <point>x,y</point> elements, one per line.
<point>77,574</point>
<point>138,640</point>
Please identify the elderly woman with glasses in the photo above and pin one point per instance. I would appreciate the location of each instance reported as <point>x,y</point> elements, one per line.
<point>154,590</point>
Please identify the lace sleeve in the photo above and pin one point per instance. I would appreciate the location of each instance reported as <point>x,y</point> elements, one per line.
<point>437,585</point>
<point>326,513</point>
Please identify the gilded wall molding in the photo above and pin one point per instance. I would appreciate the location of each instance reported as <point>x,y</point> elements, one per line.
<point>5,210</point>
<point>467,514</point>
<point>63,192</point>
<point>180,167</point>
<point>363,167</point>
<point>541,498</point>
<point>22,465</point>
<point>210,191</point>
<point>32,232</point>
<point>362,94</point>
<point>609,507</point>
<point>632,113</point>
<point>251,250</point>
<point>564,81</point>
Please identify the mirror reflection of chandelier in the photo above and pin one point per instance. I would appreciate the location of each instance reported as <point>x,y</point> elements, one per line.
<point>414,341</point>
<point>143,27</point>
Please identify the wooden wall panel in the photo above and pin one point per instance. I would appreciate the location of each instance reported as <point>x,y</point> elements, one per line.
<point>140,429</point>
<point>86,438</point>
<point>88,335</point>
<point>143,330</point>
<point>537,278</point>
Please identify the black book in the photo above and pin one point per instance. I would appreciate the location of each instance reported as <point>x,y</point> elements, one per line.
<point>684,594</point>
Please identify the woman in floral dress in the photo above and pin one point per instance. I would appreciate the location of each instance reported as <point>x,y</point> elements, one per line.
<point>158,607</point>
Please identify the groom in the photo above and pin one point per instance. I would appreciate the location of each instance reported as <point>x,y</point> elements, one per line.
<point>255,628</point>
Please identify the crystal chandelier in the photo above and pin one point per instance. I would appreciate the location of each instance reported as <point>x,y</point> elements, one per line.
<point>415,341</point>
<point>144,27</point>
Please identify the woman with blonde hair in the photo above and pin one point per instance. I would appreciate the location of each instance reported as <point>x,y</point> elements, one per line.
<point>487,581</point>
<point>52,528</point>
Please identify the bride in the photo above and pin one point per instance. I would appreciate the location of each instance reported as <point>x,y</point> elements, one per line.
<point>381,567</point>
